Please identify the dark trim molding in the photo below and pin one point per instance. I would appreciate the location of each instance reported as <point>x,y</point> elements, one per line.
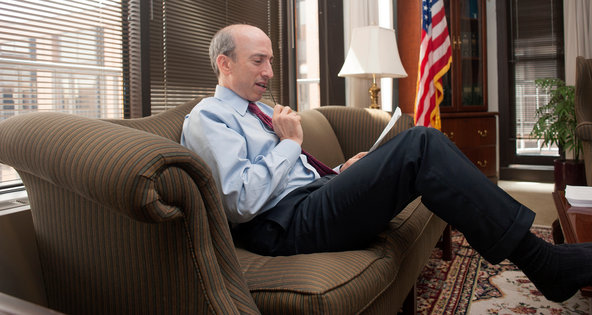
<point>331,55</point>
<point>528,173</point>
<point>145,15</point>
<point>125,47</point>
<point>504,87</point>
<point>289,97</point>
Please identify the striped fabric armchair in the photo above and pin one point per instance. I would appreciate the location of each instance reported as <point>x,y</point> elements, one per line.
<point>128,221</point>
<point>583,99</point>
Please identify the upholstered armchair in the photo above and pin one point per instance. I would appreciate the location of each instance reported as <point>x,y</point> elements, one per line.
<point>127,221</point>
<point>583,99</point>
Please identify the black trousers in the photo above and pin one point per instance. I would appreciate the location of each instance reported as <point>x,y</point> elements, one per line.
<point>347,211</point>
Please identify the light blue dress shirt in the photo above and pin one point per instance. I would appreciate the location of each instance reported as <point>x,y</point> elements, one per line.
<point>253,169</point>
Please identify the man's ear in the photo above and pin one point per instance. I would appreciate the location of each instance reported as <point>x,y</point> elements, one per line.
<point>223,63</point>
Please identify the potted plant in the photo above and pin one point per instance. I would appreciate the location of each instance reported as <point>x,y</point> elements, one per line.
<point>556,124</point>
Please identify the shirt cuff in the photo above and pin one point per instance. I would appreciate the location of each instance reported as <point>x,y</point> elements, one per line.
<point>337,168</point>
<point>290,149</point>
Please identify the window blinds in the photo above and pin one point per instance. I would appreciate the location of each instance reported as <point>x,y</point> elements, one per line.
<point>60,56</point>
<point>536,52</point>
<point>180,34</point>
<point>90,57</point>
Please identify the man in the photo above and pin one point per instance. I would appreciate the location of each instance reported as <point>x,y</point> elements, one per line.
<point>280,204</point>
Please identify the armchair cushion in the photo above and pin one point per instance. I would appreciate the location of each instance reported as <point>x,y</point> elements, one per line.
<point>378,277</point>
<point>358,128</point>
<point>320,139</point>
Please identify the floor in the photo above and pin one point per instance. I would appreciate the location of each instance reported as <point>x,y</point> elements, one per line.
<point>536,196</point>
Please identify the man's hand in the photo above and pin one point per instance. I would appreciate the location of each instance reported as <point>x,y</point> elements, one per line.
<point>286,124</point>
<point>352,160</point>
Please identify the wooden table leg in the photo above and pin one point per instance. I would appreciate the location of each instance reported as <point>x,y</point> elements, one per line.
<point>562,206</point>
<point>447,243</point>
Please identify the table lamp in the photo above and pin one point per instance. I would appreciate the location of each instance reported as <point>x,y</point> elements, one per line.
<point>373,53</point>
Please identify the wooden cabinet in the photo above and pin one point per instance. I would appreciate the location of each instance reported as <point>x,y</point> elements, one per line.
<point>475,135</point>
<point>465,85</point>
<point>465,119</point>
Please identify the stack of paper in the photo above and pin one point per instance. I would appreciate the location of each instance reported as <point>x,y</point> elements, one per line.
<point>386,129</point>
<point>579,196</point>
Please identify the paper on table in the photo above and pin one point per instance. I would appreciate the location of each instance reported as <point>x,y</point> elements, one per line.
<point>579,196</point>
<point>388,127</point>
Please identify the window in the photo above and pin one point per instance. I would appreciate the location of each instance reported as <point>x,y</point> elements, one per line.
<point>315,54</point>
<point>180,34</point>
<point>319,53</point>
<point>385,19</point>
<point>308,87</point>
<point>530,46</point>
<point>63,56</point>
<point>537,52</point>
<point>119,58</point>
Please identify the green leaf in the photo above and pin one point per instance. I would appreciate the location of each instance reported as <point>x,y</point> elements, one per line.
<point>556,121</point>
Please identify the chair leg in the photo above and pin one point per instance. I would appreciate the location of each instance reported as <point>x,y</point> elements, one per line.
<point>557,233</point>
<point>446,244</point>
<point>410,304</point>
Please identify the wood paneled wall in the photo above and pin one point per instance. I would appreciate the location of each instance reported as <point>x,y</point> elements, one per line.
<point>408,38</point>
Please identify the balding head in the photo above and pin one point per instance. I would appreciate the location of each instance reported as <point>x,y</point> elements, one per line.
<point>223,42</point>
<point>241,57</point>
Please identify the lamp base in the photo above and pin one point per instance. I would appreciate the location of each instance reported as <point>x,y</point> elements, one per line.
<point>373,91</point>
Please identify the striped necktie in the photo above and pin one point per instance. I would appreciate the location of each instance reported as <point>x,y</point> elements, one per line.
<point>321,168</point>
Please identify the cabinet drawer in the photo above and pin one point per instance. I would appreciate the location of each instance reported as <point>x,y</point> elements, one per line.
<point>470,132</point>
<point>484,158</point>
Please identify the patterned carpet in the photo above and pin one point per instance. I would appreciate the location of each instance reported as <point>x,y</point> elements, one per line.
<point>470,285</point>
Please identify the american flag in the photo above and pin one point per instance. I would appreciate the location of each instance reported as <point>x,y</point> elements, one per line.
<point>435,56</point>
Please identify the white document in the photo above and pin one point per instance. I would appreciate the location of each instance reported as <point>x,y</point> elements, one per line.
<point>579,196</point>
<point>388,127</point>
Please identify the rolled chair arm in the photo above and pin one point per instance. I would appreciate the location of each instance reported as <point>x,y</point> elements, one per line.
<point>13,305</point>
<point>104,162</point>
<point>584,131</point>
<point>583,98</point>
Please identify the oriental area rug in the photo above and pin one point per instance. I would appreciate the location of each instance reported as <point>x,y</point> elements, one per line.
<point>468,284</point>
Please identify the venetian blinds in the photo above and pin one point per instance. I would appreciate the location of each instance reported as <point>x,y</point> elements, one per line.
<point>63,56</point>
<point>60,56</point>
<point>536,52</point>
<point>180,34</point>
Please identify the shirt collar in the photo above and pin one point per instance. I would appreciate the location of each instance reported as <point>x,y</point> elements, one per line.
<point>228,96</point>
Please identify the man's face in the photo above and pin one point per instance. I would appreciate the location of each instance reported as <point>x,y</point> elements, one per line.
<point>248,75</point>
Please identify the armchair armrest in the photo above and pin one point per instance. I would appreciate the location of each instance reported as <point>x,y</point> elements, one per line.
<point>584,131</point>
<point>12,305</point>
<point>104,162</point>
<point>583,98</point>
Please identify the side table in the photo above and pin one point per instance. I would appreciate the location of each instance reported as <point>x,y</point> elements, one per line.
<point>576,224</point>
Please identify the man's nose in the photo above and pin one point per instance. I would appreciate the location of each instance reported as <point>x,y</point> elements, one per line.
<point>267,70</point>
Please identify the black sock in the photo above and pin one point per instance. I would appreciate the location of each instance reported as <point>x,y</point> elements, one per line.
<point>558,271</point>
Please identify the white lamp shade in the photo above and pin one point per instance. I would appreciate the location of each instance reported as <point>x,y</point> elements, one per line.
<point>373,50</point>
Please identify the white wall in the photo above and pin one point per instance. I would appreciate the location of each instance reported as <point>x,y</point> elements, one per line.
<point>20,270</point>
<point>492,91</point>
